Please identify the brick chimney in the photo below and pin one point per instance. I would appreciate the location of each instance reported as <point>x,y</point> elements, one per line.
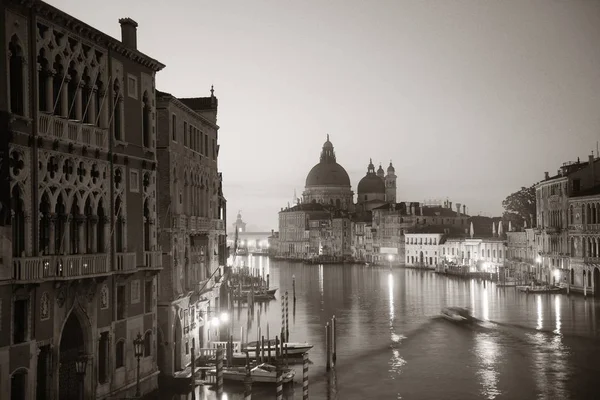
<point>129,32</point>
<point>450,205</point>
<point>546,175</point>
<point>458,209</point>
<point>464,209</point>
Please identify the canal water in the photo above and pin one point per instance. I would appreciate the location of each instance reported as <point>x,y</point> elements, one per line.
<point>392,344</point>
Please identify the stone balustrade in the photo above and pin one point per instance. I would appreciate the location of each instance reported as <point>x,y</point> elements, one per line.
<point>125,262</point>
<point>59,267</point>
<point>153,259</point>
<point>70,131</point>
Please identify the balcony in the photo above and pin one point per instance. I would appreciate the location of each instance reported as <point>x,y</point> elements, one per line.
<point>152,260</point>
<point>126,262</point>
<point>218,225</point>
<point>35,269</point>
<point>71,131</point>
<point>202,224</point>
<point>591,260</point>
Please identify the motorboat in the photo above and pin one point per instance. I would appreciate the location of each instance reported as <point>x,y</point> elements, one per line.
<point>293,348</point>
<point>262,373</point>
<point>456,314</point>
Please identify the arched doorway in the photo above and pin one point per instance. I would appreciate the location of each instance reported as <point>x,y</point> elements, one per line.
<point>177,339</point>
<point>596,281</point>
<point>18,385</point>
<point>71,344</point>
<point>421,258</point>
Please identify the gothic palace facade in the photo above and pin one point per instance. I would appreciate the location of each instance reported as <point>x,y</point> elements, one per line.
<point>79,183</point>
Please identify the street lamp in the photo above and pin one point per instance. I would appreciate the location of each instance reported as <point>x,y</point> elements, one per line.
<point>138,349</point>
<point>80,367</point>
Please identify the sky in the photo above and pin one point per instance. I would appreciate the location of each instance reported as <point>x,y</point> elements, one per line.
<point>470,99</point>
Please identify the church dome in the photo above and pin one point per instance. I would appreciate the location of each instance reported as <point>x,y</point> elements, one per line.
<point>391,169</point>
<point>328,172</point>
<point>371,183</point>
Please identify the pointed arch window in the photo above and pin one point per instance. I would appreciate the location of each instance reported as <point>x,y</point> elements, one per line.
<point>72,88</point>
<point>44,233</point>
<point>16,78</point>
<point>117,117</point>
<point>146,226</point>
<point>57,82</point>
<point>86,96</point>
<point>146,120</point>
<point>148,344</point>
<point>18,222</point>
<point>59,226</point>
<point>120,227</point>
<point>42,75</point>
<point>100,228</point>
<point>73,227</point>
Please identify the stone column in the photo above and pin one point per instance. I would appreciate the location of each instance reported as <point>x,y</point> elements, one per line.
<point>64,98</point>
<point>107,236</point>
<point>91,111</point>
<point>29,239</point>
<point>49,92</point>
<point>52,236</point>
<point>81,234</point>
<point>78,105</point>
<point>93,235</point>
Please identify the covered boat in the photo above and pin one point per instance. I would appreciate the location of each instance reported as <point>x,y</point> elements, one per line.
<point>262,373</point>
<point>293,348</point>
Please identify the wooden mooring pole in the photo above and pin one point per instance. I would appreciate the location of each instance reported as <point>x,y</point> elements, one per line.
<point>328,346</point>
<point>334,339</point>
<point>305,376</point>
<point>294,287</point>
<point>287,321</point>
<point>248,380</point>
<point>279,381</point>
<point>219,372</point>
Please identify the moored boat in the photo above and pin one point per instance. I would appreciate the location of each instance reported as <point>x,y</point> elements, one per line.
<point>293,348</point>
<point>262,373</point>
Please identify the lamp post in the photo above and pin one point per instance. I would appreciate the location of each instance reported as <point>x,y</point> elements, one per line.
<point>390,259</point>
<point>138,349</point>
<point>80,367</point>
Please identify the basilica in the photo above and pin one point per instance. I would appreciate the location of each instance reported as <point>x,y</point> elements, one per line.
<point>328,184</point>
<point>321,225</point>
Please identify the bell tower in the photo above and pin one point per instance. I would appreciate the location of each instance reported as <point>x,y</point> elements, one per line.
<point>390,184</point>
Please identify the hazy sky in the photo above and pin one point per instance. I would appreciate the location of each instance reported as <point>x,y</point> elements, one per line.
<point>470,99</point>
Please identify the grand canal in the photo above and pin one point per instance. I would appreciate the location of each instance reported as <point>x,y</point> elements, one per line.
<point>392,344</point>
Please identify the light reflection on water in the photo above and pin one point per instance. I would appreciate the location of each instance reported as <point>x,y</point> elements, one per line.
<point>391,344</point>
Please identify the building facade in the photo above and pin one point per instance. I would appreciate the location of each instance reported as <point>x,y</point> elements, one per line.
<point>192,234</point>
<point>78,109</point>
<point>521,255</point>
<point>584,242</point>
<point>552,206</point>
<point>422,249</point>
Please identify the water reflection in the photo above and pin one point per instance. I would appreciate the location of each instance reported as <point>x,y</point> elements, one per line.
<point>388,327</point>
<point>487,351</point>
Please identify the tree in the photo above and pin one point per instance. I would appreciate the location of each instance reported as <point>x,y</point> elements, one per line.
<point>519,206</point>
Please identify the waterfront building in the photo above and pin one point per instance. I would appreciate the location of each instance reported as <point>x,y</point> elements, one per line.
<point>192,235</point>
<point>273,242</point>
<point>552,207</point>
<point>392,221</point>
<point>520,254</point>
<point>78,121</point>
<point>475,251</point>
<point>362,237</point>
<point>422,249</point>
<point>584,241</point>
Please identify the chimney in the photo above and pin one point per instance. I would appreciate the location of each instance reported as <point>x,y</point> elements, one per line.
<point>546,175</point>
<point>129,32</point>
<point>464,209</point>
<point>407,207</point>
<point>420,210</point>
<point>412,209</point>
<point>458,209</point>
<point>450,205</point>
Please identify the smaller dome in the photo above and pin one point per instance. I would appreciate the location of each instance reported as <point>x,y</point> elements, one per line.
<point>328,144</point>
<point>391,168</point>
<point>371,184</point>
<point>380,171</point>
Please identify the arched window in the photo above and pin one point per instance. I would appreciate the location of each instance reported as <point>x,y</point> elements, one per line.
<point>59,226</point>
<point>100,98</point>
<point>18,222</point>
<point>571,215</point>
<point>86,96</point>
<point>120,227</point>
<point>72,87</point>
<point>117,117</point>
<point>73,225</point>
<point>146,120</point>
<point>57,81</point>
<point>88,226</point>
<point>100,228</point>
<point>148,344</point>
<point>120,354</point>
<point>42,75</point>
<point>17,87</point>
<point>146,226</point>
<point>44,236</point>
